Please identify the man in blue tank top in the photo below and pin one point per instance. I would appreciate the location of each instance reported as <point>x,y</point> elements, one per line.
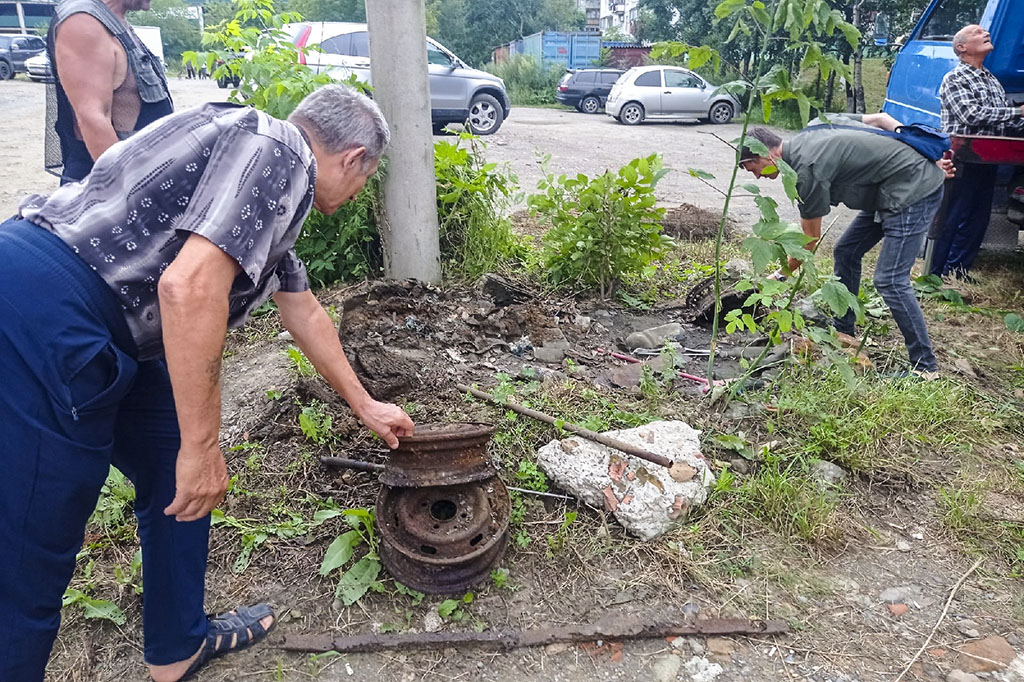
<point>108,84</point>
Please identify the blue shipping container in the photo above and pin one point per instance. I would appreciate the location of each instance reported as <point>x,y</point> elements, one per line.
<point>569,50</point>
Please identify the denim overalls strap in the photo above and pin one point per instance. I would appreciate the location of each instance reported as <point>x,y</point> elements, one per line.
<point>74,161</point>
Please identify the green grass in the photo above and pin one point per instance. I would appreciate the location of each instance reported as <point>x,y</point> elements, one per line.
<point>883,428</point>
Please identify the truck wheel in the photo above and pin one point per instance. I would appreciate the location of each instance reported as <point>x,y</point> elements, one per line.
<point>720,113</point>
<point>6,71</point>
<point>485,115</point>
<point>223,82</point>
<point>632,114</point>
<point>590,105</point>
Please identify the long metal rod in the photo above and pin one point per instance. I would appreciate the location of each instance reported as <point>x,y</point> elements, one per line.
<point>617,629</point>
<point>573,428</point>
<point>373,468</point>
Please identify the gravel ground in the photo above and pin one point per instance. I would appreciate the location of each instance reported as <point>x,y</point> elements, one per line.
<point>577,143</point>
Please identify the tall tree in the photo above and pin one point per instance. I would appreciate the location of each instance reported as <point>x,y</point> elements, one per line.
<point>178,31</point>
<point>330,10</point>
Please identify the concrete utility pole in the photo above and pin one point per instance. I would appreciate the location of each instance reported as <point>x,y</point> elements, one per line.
<point>398,67</point>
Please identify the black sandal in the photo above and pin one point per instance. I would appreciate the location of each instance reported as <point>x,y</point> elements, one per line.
<point>229,632</point>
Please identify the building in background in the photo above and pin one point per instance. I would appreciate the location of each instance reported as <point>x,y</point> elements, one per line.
<point>592,10</point>
<point>620,14</point>
<point>26,17</point>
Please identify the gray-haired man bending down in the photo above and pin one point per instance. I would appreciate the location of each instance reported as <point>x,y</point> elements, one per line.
<point>115,296</point>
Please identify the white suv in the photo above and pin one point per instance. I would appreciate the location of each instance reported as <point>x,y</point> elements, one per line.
<point>457,92</point>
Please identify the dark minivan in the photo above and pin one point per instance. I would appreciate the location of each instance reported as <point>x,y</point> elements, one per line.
<point>587,89</point>
<point>14,50</point>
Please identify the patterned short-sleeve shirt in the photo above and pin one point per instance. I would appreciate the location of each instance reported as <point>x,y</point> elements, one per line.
<point>234,175</point>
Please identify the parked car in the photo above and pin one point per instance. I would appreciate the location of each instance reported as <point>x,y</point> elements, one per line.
<point>14,50</point>
<point>457,92</point>
<point>587,89</point>
<point>668,93</point>
<point>38,68</point>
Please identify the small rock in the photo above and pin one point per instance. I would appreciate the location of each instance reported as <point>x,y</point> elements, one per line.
<point>626,376</point>
<point>655,337</point>
<point>702,670</point>
<point>957,675</point>
<point>827,474</point>
<point>582,321</point>
<point>432,621</point>
<point>666,668</point>
<point>968,628</point>
<point>556,648</point>
<point>897,610</point>
<point>963,365</point>
<point>720,646</point>
<point>899,595</point>
<point>284,336</point>
<point>738,268</point>
<point>696,646</point>
<point>678,642</point>
<point>986,655</point>
<point>903,546</point>
<point>549,354</point>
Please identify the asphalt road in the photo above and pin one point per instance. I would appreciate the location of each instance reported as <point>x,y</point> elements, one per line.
<point>576,143</point>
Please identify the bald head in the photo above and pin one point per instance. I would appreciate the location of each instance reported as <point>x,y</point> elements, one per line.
<point>972,44</point>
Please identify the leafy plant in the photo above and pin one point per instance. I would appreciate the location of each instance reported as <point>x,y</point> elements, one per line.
<point>526,81</point>
<point>453,610</point>
<point>476,237</point>
<point>316,423</point>
<point>932,286</point>
<point>556,542</point>
<point>1014,322</point>
<point>113,509</point>
<point>300,364</point>
<point>255,533</point>
<point>362,575</point>
<point>91,607</point>
<point>603,228</point>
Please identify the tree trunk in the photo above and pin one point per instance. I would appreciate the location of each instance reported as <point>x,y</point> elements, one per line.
<point>830,89</point>
<point>858,62</point>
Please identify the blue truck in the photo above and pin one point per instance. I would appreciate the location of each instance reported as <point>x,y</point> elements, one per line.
<point>912,95</point>
<point>913,92</point>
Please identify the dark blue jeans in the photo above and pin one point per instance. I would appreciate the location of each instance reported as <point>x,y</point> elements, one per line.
<point>967,217</point>
<point>74,401</point>
<point>902,235</point>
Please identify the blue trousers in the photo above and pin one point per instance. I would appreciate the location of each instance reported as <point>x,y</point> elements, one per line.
<point>74,401</point>
<point>902,235</point>
<point>970,207</point>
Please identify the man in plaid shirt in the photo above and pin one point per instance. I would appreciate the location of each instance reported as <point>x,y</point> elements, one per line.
<point>973,103</point>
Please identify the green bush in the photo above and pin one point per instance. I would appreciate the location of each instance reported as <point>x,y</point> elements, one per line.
<point>603,229</point>
<point>345,245</point>
<point>526,81</point>
<point>475,235</point>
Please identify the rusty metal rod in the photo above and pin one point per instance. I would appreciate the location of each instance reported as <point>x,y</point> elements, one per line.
<point>573,428</point>
<point>620,629</point>
<point>354,464</point>
<point>371,467</point>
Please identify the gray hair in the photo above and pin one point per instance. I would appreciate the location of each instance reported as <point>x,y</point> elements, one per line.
<point>766,137</point>
<point>960,38</point>
<point>341,119</point>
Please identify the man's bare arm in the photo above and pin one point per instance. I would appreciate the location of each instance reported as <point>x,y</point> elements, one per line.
<point>313,331</point>
<point>881,120</point>
<point>193,294</point>
<point>87,64</point>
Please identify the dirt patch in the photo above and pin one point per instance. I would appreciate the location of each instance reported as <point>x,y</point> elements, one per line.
<point>693,223</point>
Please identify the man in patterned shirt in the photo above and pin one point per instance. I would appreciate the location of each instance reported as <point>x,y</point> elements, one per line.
<point>115,296</point>
<point>973,103</point>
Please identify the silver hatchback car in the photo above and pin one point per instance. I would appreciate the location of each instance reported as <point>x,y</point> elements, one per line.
<point>668,93</point>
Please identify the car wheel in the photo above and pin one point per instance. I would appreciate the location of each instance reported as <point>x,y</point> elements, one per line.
<point>6,71</point>
<point>720,113</point>
<point>222,83</point>
<point>590,105</point>
<point>485,115</point>
<point>631,114</point>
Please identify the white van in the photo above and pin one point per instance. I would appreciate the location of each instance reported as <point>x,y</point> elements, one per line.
<point>457,92</point>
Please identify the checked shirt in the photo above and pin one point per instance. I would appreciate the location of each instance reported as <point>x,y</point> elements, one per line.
<point>974,103</point>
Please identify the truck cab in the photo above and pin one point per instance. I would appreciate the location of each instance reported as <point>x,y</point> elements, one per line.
<point>927,55</point>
